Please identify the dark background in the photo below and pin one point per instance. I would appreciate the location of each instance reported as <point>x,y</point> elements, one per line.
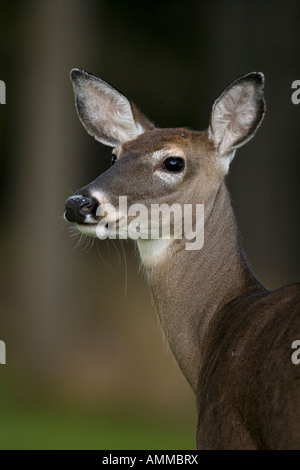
<point>86,364</point>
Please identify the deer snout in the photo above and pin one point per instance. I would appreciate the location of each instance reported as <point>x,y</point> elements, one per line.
<point>80,209</point>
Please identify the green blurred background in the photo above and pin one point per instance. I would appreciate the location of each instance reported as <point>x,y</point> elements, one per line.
<point>86,363</point>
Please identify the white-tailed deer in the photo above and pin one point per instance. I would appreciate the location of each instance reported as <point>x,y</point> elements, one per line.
<point>231,336</point>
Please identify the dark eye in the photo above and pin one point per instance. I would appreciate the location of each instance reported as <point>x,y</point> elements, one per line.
<point>174,164</point>
<point>113,159</point>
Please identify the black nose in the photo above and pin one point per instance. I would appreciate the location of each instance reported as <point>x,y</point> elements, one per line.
<point>78,207</point>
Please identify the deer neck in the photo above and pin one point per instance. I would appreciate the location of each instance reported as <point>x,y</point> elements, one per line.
<point>191,287</point>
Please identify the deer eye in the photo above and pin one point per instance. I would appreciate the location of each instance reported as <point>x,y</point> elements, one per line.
<point>174,164</point>
<point>113,159</point>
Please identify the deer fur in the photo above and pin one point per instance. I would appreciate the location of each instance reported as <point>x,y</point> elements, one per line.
<point>230,335</point>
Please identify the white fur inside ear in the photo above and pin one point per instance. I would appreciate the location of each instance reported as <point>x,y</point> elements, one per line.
<point>225,160</point>
<point>233,116</point>
<point>106,113</point>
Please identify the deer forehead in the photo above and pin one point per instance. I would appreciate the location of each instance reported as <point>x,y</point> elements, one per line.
<point>163,142</point>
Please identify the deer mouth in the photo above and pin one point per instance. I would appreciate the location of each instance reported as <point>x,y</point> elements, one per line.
<point>96,230</point>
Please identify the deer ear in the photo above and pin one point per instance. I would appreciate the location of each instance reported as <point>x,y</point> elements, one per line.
<point>237,114</point>
<point>105,113</point>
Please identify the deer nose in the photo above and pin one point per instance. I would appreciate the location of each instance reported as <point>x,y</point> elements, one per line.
<point>79,207</point>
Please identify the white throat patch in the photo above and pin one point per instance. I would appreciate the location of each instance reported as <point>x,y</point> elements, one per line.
<point>153,251</point>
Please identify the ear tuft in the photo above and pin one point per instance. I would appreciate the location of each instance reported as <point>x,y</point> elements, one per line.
<point>237,113</point>
<point>105,112</point>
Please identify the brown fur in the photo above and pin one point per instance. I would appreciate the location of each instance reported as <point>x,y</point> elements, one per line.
<point>231,336</point>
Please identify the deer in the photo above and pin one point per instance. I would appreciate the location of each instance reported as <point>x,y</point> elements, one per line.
<point>230,335</point>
